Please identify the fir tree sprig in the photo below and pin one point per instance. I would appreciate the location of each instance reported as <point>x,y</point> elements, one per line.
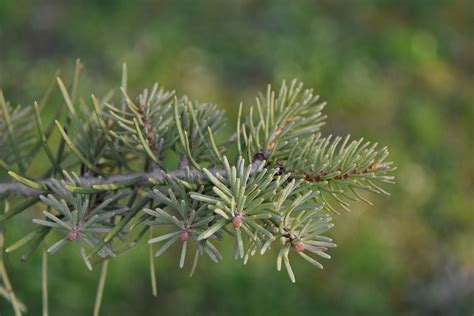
<point>109,180</point>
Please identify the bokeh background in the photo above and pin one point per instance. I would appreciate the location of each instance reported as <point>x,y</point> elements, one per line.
<point>398,72</point>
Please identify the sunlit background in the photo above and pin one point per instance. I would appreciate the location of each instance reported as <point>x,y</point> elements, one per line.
<point>397,72</point>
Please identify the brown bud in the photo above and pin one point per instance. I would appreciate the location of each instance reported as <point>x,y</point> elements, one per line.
<point>109,122</point>
<point>298,246</point>
<point>184,235</point>
<point>237,221</point>
<point>73,234</point>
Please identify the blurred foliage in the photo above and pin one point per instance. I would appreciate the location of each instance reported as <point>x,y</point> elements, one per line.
<point>400,72</point>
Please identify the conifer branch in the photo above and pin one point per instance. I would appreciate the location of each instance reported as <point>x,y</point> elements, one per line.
<point>134,179</point>
<point>127,166</point>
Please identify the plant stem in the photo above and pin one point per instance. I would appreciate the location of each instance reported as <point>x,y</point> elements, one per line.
<point>143,178</point>
<point>15,188</point>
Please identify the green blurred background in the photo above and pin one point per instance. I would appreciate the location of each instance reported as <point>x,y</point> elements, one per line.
<point>398,72</point>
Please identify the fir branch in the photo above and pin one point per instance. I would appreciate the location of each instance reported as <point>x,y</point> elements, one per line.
<point>134,179</point>
<point>108,182</point>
